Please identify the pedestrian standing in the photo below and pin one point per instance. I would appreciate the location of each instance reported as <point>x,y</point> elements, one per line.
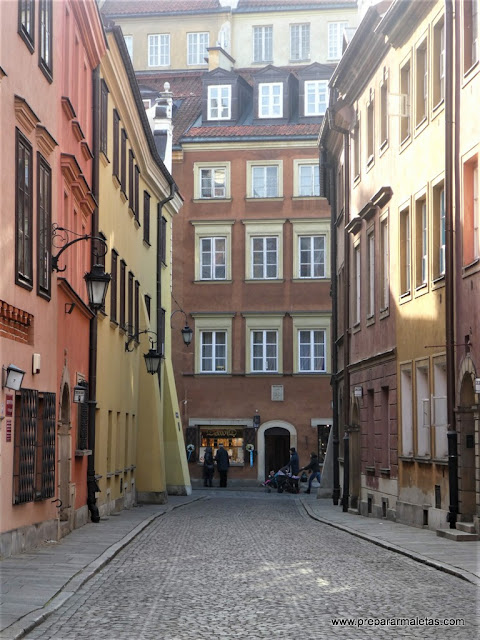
<point>294,462</point>
<point>314,468</point>
<point>223,463</point>
<point>208,467</point>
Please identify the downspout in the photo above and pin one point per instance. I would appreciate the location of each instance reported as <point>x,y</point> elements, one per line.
<point>92,486</point>
<point>449,266</point>
<point>346,317</point>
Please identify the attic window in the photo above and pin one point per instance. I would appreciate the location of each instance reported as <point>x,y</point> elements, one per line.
<point>316,97</point>
<point>219,102</point>
<point>270,100</point>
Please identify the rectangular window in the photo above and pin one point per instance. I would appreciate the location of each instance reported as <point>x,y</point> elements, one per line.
<point>357,284</point>
<point>113,287</point>
<point>148,304</point>
<point>159,50</point>
<point>384,267</point>
<point>407,410</point>
<point>299,42</point>
<point>129,45</point>
<point>131,179</point>
<point>161,332</point>
<point>264,351</point>
<point>263,44</point>
<point>471,212</point>
<point>311,350</point>
<point>265,181</point>
<point>26,22</point>
<point>45,38</point>
<point>405,100</point>
<point>264,258</point>
<point>312,256</point>
<point>405,252</point>
<point>130,326</point>
<point>438,220</point>
<point>439,408</point>
<point>213,258</point>
<point>219,102</point>
<point>123,163</point>
<point>470,34</point>
<point>136,193</point>
<point>163,239</point>
<point>23,207</point>
<point>137,308</point>
<point>123,268</point>
<point>309,180</point>
<point>197,44</point>
<point>422,388</point>
<point>116,155</point>
<point>370,131</point>
<point>356,149</point>
<point>421,84</point>
<point>438,63</point>
<point>213,182</point>
<point>213,347</point>
<point>371,275</point>
<point>316,97</point>
<point>335,39</point>
<point>270,100</point>
<point>44,226</point>
<point>146,217</point>
<point>104,118</point>
<point>421,242</point>
<point>383,113</point>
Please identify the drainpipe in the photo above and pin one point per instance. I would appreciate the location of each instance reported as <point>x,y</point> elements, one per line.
<point>449,267</point>
<point>92,486</point>
<point>346,316</point>
<point>161,204</point>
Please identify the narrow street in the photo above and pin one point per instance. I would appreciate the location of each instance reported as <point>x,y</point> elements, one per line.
<point>254,565</point>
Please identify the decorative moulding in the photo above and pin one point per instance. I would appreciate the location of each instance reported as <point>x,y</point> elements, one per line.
<point>68,109</point>
<point>25,115</point>
<point>46,142</point>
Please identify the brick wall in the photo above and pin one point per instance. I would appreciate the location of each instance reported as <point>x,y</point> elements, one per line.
<point>15,324</point>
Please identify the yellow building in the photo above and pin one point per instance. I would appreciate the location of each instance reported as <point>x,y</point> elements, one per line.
<point>139,448</point>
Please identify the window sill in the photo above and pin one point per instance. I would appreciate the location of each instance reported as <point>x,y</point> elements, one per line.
<point>439,282</point>
<point>370,162</point>
<point>116,181</point>
<point>438,108</point>
<point>356,327</point>
<point>421,289</point>
<point>405,297</point>
<point>213,281</point>
<point>370,320</point>
<point>264,280</point>
<point>385,471</point>
<point>308,198</point>
<point>272,199</point>
<point>423,459</point>
<point>470,268</point>
<point>383,147</point>
<point>471,72</point>
<point>405,142</point>
<point>370,470</point>
<point>263,374</point>
<point>384,313</point>
<point>212,374</point>
<point>316,279</point>
<point>80,453</point>
<point>103,158</point>
<point>309,374</point>
<point>406,458</point>
<point>210,200</point>
<point>123,196</point>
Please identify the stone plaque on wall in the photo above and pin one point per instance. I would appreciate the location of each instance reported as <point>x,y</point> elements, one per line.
<point>277,392</point>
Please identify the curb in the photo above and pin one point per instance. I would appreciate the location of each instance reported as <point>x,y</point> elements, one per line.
<point>459,573</point>
<point>27,623</point>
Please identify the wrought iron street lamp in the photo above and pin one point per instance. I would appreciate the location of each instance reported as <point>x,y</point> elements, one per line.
<point>187,333</point>
<point>153,357</point>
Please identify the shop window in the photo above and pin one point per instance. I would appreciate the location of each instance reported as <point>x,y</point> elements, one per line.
<point>232,440</point>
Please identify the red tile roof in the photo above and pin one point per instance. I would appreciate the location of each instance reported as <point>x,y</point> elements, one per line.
<point>146,7</point>
<point>295,5</point>
<point>253,131</point>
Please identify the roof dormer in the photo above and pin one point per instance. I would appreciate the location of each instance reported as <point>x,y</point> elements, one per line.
<point>225,96</point>
<point>273,93</point>
<point>313,91</point>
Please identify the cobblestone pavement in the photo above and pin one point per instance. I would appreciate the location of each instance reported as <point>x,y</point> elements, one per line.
<point>255,566</point>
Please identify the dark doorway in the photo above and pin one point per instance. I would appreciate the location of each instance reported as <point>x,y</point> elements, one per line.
<point>466,450</point>
<point>277,445</point>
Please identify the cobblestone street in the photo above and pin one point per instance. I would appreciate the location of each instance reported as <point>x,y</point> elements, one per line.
<point>254,565</point>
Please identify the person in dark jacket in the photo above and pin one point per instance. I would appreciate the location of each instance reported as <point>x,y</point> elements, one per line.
<point>294,462</point>
<point>223,463</point>
<point>314,468</point>
<point>208,467</point>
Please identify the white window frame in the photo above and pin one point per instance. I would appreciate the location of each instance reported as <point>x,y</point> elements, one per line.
<point>300,42</point>
<point>310,228</point>
<point>222,94</point>
<point>218,362</point>
<point>197,45</point>
<point>270,102</point>
<point>216,263</point>
<point>439,407</point>
<point>263,322</point>
<point>357,263</point>
<point>129,45</point>
<point>263,229</point>
<point>371,273</point>
<point>308,338</point>
<point>442,232</point>
<point>217,323</point>
<point>212,168</point>
<point>262,43</point>
<point>261,246</point>
<point>255,168</point>
<point>312,251</point>
<point>422,398</point>
<point>385,266</point>
<point>269,339</point>
<point>406,391</point>
<point>311,322</point>
<point>318,90</point>
<point>313,190</point>
<point>159,52</point>
<point>335,39</point>
<point>210,174</point>
<point>209,229</point>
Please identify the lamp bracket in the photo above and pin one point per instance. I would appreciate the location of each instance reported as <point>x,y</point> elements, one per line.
<point>135,336</point>
<point>63,234</point>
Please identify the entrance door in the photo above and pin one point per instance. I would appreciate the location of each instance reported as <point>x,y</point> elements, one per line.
<point>466,451</point>
<point>277,445</point>
<point>64,460</point>
<point>355,459</point>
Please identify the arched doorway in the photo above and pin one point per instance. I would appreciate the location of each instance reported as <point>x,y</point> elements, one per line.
<point>274,439</point>
<point>466,449</point>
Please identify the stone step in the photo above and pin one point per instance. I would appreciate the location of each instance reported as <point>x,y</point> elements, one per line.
<point>468,527</point>
<point>457,536</point>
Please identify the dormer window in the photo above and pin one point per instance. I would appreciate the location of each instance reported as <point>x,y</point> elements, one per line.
<point>316,97</point>
<point>219,102</point>
<point>270,100</point>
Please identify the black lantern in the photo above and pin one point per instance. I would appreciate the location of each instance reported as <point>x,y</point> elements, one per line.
<point>256,420</point>
<point>187,335</point>
<point>152,361</point>
<point>97,284</point>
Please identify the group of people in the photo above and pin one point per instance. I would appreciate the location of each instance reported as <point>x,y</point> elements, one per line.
<point>222,460</point>
<point>223,463</point>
